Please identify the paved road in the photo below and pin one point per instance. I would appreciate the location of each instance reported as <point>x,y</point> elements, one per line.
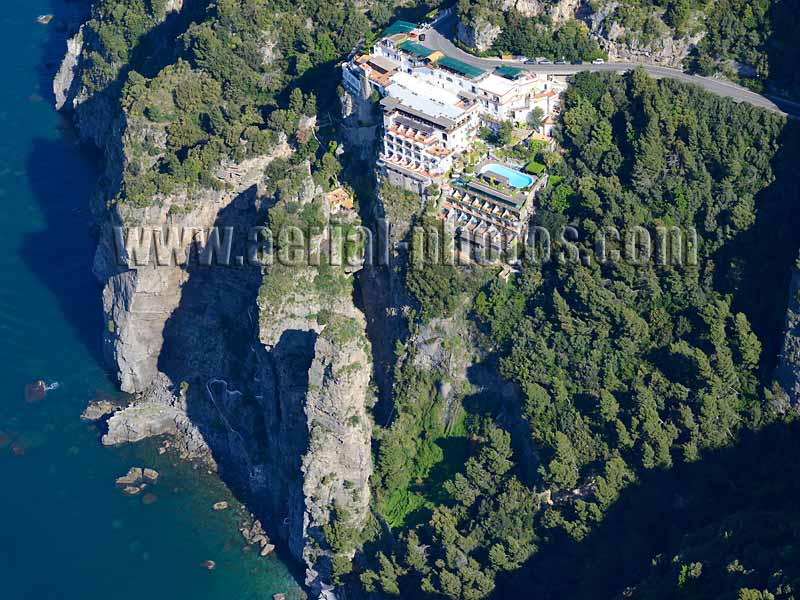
<point>439,38</point>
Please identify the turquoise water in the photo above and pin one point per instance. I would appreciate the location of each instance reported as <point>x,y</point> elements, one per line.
<point>515,178</point>
<point>66,532</point>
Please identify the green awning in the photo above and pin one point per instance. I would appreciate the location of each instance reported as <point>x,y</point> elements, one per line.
<point>460,67</point>
<point>399,27</point>
<point>415,49</point>
<point>509,72</point>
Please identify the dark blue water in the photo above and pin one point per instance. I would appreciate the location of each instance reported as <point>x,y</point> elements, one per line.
<point>65,530</point>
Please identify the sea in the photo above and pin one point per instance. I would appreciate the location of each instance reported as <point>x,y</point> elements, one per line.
<point>66,530</point>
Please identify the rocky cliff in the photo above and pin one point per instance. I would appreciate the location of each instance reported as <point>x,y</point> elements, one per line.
<point>314,384</point>
<point>661,46</point>
<point>653,42</point>
<point>140,292</point>
<point>261,370</point>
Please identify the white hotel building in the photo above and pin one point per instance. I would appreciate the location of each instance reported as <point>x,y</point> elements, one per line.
<point>434,105</point>
<point>424,126</point>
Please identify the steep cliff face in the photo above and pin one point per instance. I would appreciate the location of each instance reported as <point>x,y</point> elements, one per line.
<point>483,29</point>
<point>360,123</point>
<point>338,462</point>
<point>314,388</point>
<point>89,77</point>
<point>140,293</point>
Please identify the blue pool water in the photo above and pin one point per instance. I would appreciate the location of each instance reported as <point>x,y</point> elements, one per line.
<point>515,178</point>
<point>66,532</point>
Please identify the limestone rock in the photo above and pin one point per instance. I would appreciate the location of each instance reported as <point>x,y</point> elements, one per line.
<point>151,475</point>
<point>479,36</point>
<point>337,466</point>
<point>96,410</point>
<point>139,299</point>
<point>132,478</point>
<point>139,422</point>
<point>564,10</point>
<point>65,84</point>
<point>528,8</point>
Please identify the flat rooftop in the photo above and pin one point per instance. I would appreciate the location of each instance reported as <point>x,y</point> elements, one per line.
<point>425,98</point>
<point>382,63</point>
<point>494,84</point>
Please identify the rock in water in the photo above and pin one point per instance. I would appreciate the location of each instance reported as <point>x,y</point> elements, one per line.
<point>149,499</point>
<point>139,422</point>
<point>134,477</point>
<point>97,409</point>
<point>267,550</point>
<point>131,490</point>
<point>35,391</point>
<point>150,475</point>
<point>209,565</point>
<point>44,19</point>
<point>278,596</point>
<point>221,506</point>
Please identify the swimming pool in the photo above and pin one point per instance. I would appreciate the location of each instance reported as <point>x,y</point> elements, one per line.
<point>515,178</point>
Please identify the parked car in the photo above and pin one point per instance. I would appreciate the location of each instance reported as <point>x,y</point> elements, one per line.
<point>530,61</point>
<point>577,62</point>
<point>561,62</point>
<point>598,61</point>
<point>545,61</point>
<point>522,59</point>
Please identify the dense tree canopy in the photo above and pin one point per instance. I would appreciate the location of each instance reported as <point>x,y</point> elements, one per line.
<point>623,368</point>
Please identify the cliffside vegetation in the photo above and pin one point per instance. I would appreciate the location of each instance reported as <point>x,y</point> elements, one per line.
<point>753,42</point>
<point>224,93</point>
<point>531,36</point>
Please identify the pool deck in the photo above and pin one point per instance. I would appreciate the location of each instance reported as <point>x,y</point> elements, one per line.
<point>495,170</point>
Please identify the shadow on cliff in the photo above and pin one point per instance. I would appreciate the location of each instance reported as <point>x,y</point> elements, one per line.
<point>756,267</point>
<point>735,503</point>
<point>213,354</point>
<point>61,179</point>
<point>210,334</point>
